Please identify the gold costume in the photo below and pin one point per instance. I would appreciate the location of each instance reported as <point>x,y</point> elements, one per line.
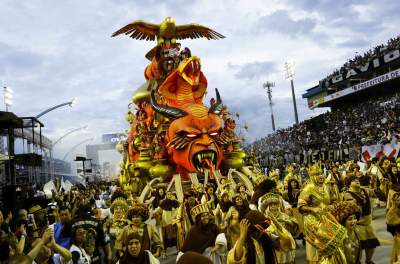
<point>231,221</point>
<point>114,226</point>
<point>326,236</point>
<point>314,195</point>
<point>272,206</point>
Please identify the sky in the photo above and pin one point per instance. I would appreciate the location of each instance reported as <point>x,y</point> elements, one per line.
<point>52,51</point>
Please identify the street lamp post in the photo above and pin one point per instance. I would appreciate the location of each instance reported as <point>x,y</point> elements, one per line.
<point>57,141</point>
<point>74,147</point>
<point>69,133</point>
<point>77,145</point>
<point>268,86</point>
<point>289,74</point>
<point>70,103</point>
<point>8,97</point>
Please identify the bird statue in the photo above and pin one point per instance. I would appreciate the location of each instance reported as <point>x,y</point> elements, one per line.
<point>167,32</point>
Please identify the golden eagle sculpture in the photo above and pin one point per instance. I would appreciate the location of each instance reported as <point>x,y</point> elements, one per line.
<point>167,32</point>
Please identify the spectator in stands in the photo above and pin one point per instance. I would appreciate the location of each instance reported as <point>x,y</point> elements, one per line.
<point>358,60</point>
<point>372,122</point>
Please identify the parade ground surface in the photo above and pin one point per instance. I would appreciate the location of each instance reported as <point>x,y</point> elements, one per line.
<point>381,256</point>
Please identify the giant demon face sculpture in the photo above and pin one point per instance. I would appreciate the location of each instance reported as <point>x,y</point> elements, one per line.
<point>193,135</point>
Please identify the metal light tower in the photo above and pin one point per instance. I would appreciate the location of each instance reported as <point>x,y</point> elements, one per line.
<point>289,74</point>
<point>8,97</point>
<point>268,86</point>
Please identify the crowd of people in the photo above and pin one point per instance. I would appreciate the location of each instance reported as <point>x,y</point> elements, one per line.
<point>359,60</point>
<point>371,122</point>
<point>329,209</point>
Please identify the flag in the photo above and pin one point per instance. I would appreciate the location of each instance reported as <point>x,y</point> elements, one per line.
<point>370,152</point>
<point>390,150</point>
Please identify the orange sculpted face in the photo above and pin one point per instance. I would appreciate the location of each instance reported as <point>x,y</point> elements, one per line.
<point>192,142</point>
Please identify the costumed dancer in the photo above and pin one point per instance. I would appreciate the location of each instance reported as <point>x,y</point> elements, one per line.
<point>135,252</point>
<point>255,244</point>
<point>222,208</point>
<point>138,214</point>
<point>290,175</point>
<point>204,237</point>
<point>274,175</point>
<point>347,214</point>
<point>159,195</point>
<point>263,186</point>
<point>165,216</point>
<point>327,236</point>
<point>77,248</point>
<point>241,188</point>
<point>334,191</point>
<point>209,195</point>
<point>225,186</point>
<point>233,217</point>
<point>365,230</point>
<point>95,236</point>
<point>197,191</point>
<point>119,208</point>
<point>335,175</point>
<point>291,196</point>
<point>312,199</point>
<point>183,219</point>
<point>272,207</point>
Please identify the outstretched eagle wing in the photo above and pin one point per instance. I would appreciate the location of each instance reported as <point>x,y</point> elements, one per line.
<point>139,29</point>
<point>194,31</point>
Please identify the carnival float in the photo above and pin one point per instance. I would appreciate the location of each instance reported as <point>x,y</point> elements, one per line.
<point>175,138</point>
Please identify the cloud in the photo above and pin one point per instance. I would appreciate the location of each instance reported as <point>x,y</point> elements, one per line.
<point>357,26</point>
<point>14,59</point>
<point>253,70</point>
<point>281,22</point>
<point>255,113</point>
<point>329,9</point>
<point>356,43</point>
<point>352,17</point>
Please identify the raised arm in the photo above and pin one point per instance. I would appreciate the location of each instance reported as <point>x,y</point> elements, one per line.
<point>244,227</point>
<point>65,254</point>
<point>40,242</point>
<point>21,242</point>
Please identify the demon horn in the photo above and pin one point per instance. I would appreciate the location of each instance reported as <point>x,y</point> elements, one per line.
<point>217,107</point>
<point>170,112</point>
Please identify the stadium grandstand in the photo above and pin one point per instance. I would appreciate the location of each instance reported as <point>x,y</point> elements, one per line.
<point>364,97</point>
<point>368,76</point>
